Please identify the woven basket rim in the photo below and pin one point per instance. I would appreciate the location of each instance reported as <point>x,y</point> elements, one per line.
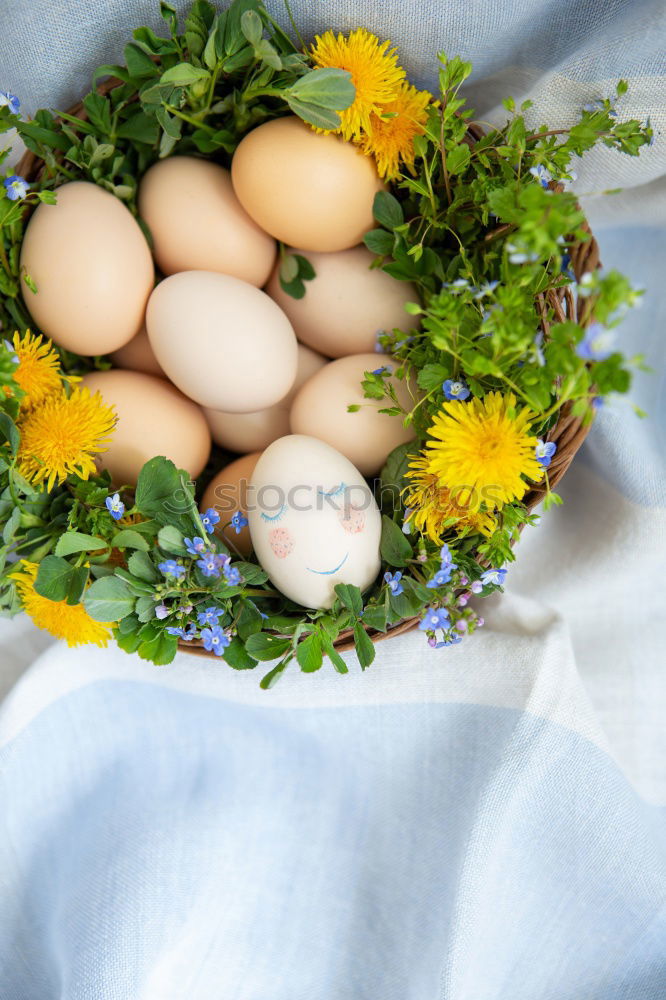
<point>568,432</point>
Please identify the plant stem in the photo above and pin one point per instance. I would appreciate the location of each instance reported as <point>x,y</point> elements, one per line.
<point>447,183</point>
<point>189,119</point>
<point>294,26</point>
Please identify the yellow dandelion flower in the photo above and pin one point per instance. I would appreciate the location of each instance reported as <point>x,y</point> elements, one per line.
<point>70,622</point>
<point>38,372</point>
<point>63,435</point>
<point>434,509</point>
<point>374,71</point>
<point>390,136</point>
<point>485,448</point>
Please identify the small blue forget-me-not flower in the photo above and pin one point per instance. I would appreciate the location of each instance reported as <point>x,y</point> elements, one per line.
<point>393,581</point>
<point>597,344</point>
<point>209,518</point>
<point>215,639</point>
<point>238,522</point>
<point>208,565</point>
<point>10,101</point>
<point>115,506</point>
<point>171,568</point>
<point>16,187</point>
<point>232,575</point>
<point>195,546</point>
<point>455,389</point>
<point>209,616</point>
<point>434,618</point>
<point>441,577</point>
<point>544,452</point>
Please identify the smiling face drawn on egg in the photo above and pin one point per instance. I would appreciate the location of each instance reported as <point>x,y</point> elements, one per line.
<point>314,521</point>
<point>350,516</point>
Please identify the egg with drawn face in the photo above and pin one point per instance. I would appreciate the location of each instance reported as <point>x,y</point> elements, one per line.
<point>313,519</point>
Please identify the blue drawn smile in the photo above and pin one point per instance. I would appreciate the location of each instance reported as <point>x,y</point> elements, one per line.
<point>328,572</point>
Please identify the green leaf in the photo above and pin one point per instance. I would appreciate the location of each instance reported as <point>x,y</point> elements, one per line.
<point>431,376</point>
<point>171,540</point>
<point>306,271</point>
<point>273,676</point>
<point>183,74</point>
<point>75,541</point>
<point>129,642</point>
<point>266,647</point>
<point>458,159</point>
<point>237,656</point>
<point>139,128</point>
<point>405,605</point>
<point>395,548</point>
<point>350,597</point>
<point>108,599</point>
<point>288,268</point>
<point>154,43</point>
<point>379,241</point>
<point>59,581</point>
<point>330,89</point>
<point>10,432</point>
<point>128,624</point>
<point>165,493</point>
<point>252,27</point>
<point>11,525</point>
<point>333,654</point>
<point>31,131</point>
<point>365,647</point>
<point>138,62</point>
<point>375,617</point>
<point>251,573</point>
<point>145,608</point>
<point>387,210</point>
<point>141,565</point>
<point>137,586</point>
<point>393,473</point>
<point>160,650</point>
<point>249,620</point>
<point>172,126</point>
<point>294,288</point>
<point>77,584</point>
<point>129,539</point>
<point>314,115</point>
<point>309,653</point>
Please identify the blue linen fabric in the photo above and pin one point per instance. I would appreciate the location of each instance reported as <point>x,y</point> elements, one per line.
<point>478,823</point>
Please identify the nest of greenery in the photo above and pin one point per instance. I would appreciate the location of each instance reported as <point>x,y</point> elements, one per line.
<point>515,340</point>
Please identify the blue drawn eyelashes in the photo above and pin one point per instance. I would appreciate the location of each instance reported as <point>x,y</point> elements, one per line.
<point>275,517</point>
<point>335,492</point>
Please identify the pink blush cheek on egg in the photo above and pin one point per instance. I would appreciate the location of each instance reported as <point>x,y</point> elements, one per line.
<point>352,520</point>
<point>281,542</point>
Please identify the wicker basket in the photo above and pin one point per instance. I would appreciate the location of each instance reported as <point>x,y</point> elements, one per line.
<point>568,433</point>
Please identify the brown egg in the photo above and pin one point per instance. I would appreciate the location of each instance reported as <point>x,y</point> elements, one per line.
<point>227,493</point>
<point>365,437</point>
<point>308,190</point>
<point>92,267</point>
<point>347,304</point>
<point>138,356</point>
<point>198,224</point>
<point>153,419</point>
<point>255,431</point>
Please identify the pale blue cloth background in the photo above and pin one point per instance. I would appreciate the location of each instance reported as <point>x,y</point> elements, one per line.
<point>480,823</point>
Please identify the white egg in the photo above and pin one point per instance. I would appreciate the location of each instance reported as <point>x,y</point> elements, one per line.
<point>313,519</point>
<point>223,342</point>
